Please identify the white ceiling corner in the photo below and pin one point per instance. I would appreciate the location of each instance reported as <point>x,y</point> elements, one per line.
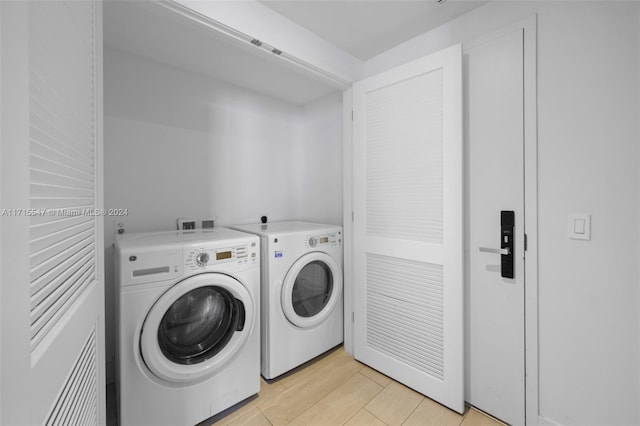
<point>366,28</point>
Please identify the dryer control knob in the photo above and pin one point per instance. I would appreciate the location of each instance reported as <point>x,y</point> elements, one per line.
<point>312,242</point>
<point>202,259</point>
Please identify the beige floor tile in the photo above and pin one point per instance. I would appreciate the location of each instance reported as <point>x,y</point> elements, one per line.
<point>268,391</point>
<point>376,376</point>
<point>364,418</point>
<point>301,375</point>
<point>249,416</point>
<point>287,405</point>
<point>394,404</point>
<point>474,417</point>
<point>341,403</point>
<point>430,413</point>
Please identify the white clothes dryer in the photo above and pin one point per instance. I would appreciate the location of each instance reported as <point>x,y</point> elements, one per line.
<point>188,316</point>
<point>302,308</point>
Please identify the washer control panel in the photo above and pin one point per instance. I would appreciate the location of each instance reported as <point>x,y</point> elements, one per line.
<point>203,257</point>
<point>332,239</point>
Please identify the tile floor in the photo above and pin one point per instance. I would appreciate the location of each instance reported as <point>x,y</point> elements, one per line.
<point>338,390</point>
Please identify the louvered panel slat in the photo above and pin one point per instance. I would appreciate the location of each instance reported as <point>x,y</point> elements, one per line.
<point>86,416</point>
<point>47,119</point>
<point>77,402</point>
<point>46,302</point>
<point>51,238</point>
<point>44,114</point>
<point>64,151</point>
<point>47,190</point>
<point>42,163</point>
<point>413,317</point>
<point>83,387</point>
<point>407,356</point>
<point>430,313</point>
<point>59,134</point>
<point>402,349</point>
<point>405,311</point>
<point>46,147</point>
<point>403,179</point>
<point>60,147</point>
<point>71,390</point>
<point>50,255</point>
<point>55,311</point>
<point>51,95</point>
<point>43,226</point>
<point>40,190</point>
<point>424,352</point>
<point>419,288</point>
<point>69,203</point>
<point>405,294</point>
<point>90,415</point>
<point>429,289</point>
<point>63,270</point>
<point>43,176</point>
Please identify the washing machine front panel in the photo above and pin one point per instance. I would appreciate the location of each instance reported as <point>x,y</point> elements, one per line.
<point>311,290</point>
<point>196,327</point>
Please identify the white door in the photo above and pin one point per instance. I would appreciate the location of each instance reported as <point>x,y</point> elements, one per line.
<point>52,357</point>
<point>408,276</point>
<point>494,142</point>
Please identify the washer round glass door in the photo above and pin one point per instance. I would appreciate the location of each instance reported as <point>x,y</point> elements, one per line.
<point>311,289</point>
<point>196,327</point>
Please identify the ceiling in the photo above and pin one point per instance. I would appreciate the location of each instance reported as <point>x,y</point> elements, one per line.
<point>157,34</point>
<point>366,28</point>
<point>363,28</point>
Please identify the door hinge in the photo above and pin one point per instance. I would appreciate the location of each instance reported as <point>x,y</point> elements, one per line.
<point>525,242</point>
<point>351,115</point>
<point>353,316</point>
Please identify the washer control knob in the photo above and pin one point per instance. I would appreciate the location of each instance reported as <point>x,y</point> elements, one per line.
<point>202,258</point>
<point>312,242</point>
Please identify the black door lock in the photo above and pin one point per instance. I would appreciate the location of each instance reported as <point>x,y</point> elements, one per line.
<point>507,226</point>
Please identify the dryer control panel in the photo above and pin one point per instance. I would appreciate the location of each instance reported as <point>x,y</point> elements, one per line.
<point>203,257</point>
<point>331,239</point>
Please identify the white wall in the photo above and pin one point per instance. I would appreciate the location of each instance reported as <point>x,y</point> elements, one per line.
<point>320,174</point>
<point>588,157</point>
<point>181,145</point>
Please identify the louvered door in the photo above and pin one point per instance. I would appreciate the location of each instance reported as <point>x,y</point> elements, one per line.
<point>408,276</point>
<point>60,209</point>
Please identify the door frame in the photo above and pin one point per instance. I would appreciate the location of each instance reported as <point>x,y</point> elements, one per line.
<point>529,27</point>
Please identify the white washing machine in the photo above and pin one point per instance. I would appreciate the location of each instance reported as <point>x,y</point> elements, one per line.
<point>188,324</point>
<point>302,308</point>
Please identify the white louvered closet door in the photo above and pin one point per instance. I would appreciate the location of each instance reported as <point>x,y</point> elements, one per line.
<point>408,276</point>
<point>62,280</point>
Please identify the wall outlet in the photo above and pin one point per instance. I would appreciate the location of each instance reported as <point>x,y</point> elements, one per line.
<point>185,224</point>
<point>119,227</point>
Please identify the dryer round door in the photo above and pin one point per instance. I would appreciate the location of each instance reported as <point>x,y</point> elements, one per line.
<point>311,289</point>
<point>196,327</point>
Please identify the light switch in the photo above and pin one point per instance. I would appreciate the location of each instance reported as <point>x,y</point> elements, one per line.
<point>579,225</point>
